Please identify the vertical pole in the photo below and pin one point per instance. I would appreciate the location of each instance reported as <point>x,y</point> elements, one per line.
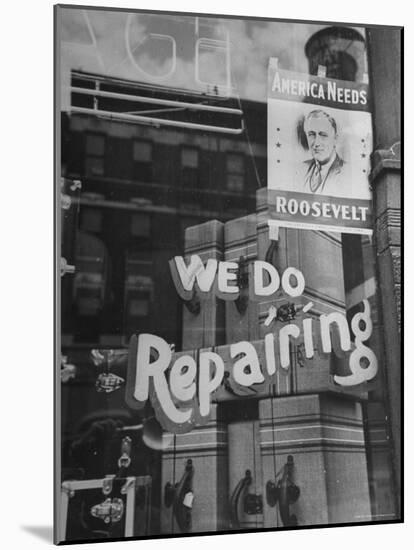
<point>384,50</point>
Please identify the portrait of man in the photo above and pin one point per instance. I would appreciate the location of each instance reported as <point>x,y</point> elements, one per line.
<point>323,172</point>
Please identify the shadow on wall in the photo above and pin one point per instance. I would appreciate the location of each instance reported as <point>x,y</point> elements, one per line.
<point>43,532</point>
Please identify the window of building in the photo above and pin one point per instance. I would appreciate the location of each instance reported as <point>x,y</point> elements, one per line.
<point>142,156</point>
<point>91,220</point>
<point>139,307</point>
<point>235,172</point>
<point>140,225</point>
<point>95,155</point>
<point>190,166</point>
<point>189,157</point>
<point>142,151</point>
<point>118,158</point>
<point>138,291</point>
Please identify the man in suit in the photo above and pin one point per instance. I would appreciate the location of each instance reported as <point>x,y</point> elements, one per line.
<point>323,170</point>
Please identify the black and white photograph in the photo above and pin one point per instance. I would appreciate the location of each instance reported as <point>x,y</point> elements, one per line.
<point>228,300</point>
<point>203,281</point>
<point>203,345</point>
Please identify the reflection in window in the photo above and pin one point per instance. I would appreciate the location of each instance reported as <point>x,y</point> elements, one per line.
<point>142,151</point>
<point>91,220</point>
<point>235,172</point>
<point>140,225</point>
<point>138,292</point>
<point>161,180</point>
<point>138,307</point>
<point>142,159</point>
<point>94,158</point>
<point>189,166</point>
<point>213,64</point>
<point>189,157</point>
<point>90,286</point>
<point>118,158</point>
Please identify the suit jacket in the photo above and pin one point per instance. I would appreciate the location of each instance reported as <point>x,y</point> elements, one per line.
<point>331,182</point>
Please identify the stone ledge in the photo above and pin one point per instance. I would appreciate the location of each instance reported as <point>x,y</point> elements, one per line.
<point>385,160</point>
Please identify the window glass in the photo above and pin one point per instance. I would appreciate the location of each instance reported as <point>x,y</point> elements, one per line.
<point>140,225</point>
<point>166,149</point>
<point>235,163</point>
<point>189,158</point>
<point>95,145</point>
<point>94,166</point>
<point>94,155</point>
<point>235,172</point>
<point>142,151</point>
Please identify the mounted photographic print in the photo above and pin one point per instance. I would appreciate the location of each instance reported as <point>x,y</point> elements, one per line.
<point>228,274</point>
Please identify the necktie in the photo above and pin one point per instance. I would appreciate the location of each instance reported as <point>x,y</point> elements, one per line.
<point>316,178</point>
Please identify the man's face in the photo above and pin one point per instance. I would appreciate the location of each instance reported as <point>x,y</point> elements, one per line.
<point>321,138</point>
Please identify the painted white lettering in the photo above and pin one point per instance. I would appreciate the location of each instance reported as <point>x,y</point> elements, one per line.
<point>368,372</point>
<point>340,320</point>
<point>269,342</point>
<point>227,276</point>
<point>297,290</point>
<point>146,369</point>
<point>182,378</point>
<point>308,337</point>
<point>249,362</point>
<point>285,333</point>
<point>207,383</point>
<point>260,286</point>
<point>184,276</point>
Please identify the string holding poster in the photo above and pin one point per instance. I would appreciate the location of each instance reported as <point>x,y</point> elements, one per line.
<point>319,146</point>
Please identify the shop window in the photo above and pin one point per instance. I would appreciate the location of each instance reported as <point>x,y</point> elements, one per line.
<point>235,172</point>
<point>94,155</point>
<point>142,156</point>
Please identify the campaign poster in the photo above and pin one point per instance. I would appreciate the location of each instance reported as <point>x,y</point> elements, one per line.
<point>319,146</point>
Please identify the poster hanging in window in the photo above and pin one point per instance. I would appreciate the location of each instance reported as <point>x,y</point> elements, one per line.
<point>319,146</point>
